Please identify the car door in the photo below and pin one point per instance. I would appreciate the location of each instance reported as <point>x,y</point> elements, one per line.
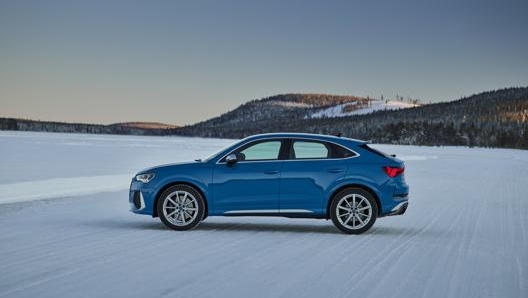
<point>251,185</point>
<point>313,167</point>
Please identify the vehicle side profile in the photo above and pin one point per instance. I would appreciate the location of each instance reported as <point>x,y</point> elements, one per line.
<point>279,174</point>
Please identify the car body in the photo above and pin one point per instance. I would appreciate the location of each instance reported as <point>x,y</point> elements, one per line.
<point>278,174</point>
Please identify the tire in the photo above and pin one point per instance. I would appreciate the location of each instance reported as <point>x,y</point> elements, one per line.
<point>181,207</point>
<point>353,210</point>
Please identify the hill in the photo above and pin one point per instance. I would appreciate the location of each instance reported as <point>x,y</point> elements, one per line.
<point>271,109</point>
<point>496,118</point>
<point>281,112</point>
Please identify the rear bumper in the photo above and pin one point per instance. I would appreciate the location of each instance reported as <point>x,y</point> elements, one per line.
<point>394,197</point>
<point>399,209</point>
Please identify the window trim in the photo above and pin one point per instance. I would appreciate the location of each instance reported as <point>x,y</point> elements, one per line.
<point>285,150</point>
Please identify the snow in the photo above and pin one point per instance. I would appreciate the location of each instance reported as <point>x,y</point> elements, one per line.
<point>464,234</point>
<point>375,106</point>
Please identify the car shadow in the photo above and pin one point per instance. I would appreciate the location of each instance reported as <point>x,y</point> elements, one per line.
<point>266,227</point>
<point>234,226</point>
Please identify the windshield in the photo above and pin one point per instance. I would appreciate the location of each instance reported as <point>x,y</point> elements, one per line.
<point>208,158</point>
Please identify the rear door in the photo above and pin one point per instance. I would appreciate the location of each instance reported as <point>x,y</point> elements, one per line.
<point>313,167</point>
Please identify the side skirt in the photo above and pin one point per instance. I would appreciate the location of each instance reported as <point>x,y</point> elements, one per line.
<point>290,213</point>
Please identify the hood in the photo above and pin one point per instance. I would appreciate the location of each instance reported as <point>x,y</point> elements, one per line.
<point>166,166</point>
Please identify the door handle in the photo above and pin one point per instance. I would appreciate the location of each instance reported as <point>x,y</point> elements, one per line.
<point>335,170</point>
<point>271,172</point>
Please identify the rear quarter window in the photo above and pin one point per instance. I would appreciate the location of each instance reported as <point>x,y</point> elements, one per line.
<point>375,151</point>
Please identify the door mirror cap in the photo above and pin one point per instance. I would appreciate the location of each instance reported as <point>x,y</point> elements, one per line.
<point>231,159</point>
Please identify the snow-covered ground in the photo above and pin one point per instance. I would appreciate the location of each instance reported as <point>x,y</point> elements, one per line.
<point>465,233</point>
<point>374,106</point>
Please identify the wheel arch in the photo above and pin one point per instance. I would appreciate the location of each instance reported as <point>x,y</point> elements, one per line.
<point>352,185</point>
<point>173,183</point>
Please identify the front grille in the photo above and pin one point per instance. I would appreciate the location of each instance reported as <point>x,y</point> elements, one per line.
<point>137,201</point>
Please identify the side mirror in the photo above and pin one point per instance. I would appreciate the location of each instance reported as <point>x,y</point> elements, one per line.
<point>231,159</point>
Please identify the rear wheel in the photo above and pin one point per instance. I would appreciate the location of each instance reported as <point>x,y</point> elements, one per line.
<point>353,210</point>
<point>181,207</point>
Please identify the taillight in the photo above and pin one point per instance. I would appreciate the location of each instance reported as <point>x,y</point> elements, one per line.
<point>393,171</point>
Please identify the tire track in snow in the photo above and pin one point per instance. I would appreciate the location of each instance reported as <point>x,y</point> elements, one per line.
<point>398,256</point>
<point>391,253</point>
<point>80,248</point>
<point>431,252</point>
<point>98,256</point>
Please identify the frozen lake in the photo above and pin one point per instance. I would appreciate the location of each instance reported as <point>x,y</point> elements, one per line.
<point>70,164</point>
<point>464,234</point>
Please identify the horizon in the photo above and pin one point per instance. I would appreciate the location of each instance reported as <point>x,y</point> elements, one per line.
<point>220,113</point>
<point>179,63</point>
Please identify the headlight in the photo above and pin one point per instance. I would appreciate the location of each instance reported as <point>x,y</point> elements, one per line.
<point>145,178</point>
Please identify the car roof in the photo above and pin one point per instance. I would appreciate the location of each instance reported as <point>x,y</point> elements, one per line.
<point>320,137</point>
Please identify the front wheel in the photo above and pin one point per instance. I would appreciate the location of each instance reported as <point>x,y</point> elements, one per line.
<point>181,207</point>
<point>353,210</point>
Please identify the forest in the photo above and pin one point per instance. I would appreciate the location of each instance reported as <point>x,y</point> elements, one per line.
<point>490,119</point>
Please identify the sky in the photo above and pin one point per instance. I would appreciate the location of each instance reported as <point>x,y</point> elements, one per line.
<point>180,62</point>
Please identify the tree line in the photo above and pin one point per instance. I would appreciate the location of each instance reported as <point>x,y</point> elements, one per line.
<point>496,118</point>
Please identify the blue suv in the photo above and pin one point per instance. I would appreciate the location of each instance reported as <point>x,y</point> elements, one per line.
<point>279,174</point>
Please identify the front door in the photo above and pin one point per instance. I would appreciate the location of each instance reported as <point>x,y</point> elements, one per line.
<point>251,185</point>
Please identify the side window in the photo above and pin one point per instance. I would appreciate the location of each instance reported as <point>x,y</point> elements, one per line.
<point>306,150</point>
<point>318,150</point>
<point>340,152</point>
<point>267,150</point>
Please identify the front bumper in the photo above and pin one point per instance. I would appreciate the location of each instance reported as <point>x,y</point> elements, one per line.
<point>138,202</point>
<point>141,198</point>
